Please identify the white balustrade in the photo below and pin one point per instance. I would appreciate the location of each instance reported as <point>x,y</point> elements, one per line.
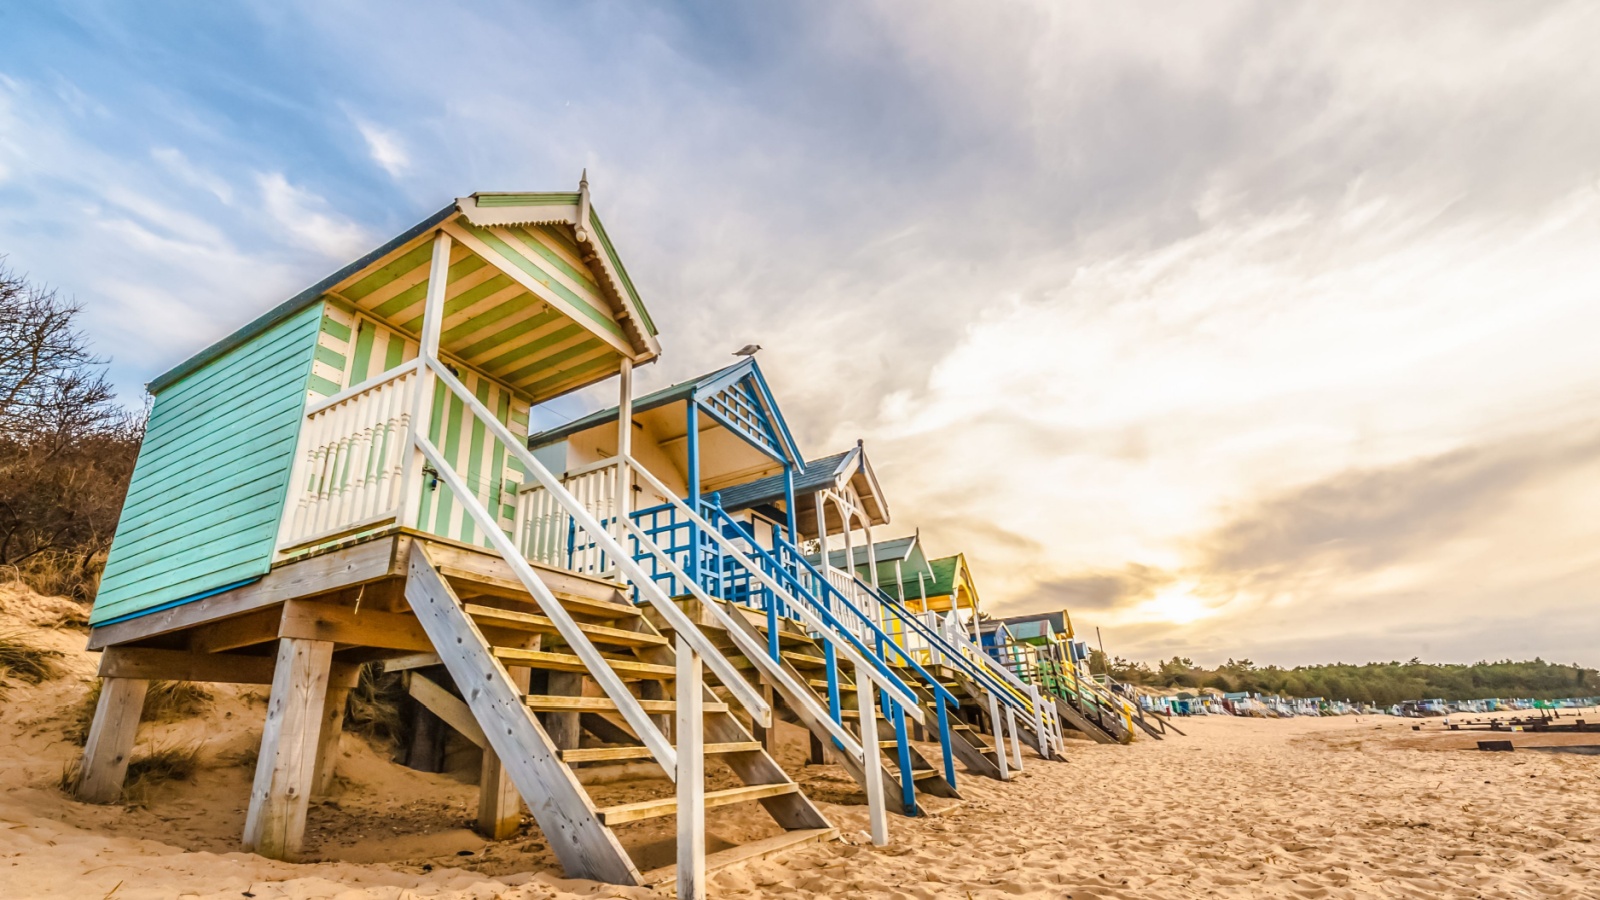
<point>545,530</point>
<point>347,471</point>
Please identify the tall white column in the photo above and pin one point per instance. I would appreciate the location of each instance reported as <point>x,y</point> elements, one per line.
<point>422,400</point>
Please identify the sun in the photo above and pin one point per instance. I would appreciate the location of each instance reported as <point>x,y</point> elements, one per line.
<point>1176,605</point>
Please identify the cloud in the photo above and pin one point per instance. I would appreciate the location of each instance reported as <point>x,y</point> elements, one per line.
<point>386,148</point>
<point>308,221</point>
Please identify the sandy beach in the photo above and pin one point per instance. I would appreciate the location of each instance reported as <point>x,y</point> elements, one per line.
<point>1338,807</point>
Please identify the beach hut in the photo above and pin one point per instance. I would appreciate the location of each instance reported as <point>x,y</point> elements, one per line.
<point>726,496</point>
<point>344,480</point>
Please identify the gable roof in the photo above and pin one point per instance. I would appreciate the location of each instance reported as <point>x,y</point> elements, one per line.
<point>829,472</point>
<point>745,374</point>
<point>895,549</point>
<point>478,224</point>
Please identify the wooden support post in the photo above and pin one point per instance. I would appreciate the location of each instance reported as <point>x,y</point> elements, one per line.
<point>624,503</point>
<point>422,402</point>
<point>867,707</point>
<point>111,735</point>
<point>817,756</point>
<point>767,736</point>
<point>563,726</point>
<point>499,804</point>
<point>328,740</point>
<point>999,739</point>
<point>691,780</point>
<point>276,822</point>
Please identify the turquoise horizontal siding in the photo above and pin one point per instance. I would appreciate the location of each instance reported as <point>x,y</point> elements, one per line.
<point>208,490</point>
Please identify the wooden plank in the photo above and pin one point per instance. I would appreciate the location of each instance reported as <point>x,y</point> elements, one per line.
<point>566,662</point>
<point>751,852</point>
<point>611,754</point>
<point>285,769</point>
<point>690,782</point>
<point>551,703</point>
<point>350,566</point>
<point>412,661</point>
<point>875,780</point>
<point>111,736</point>
<point>585,847</point>
<point>667,806</point>
<point>537,624</point>
<point>310,620</point>
<point>480,568</point>
<point>217,668</point>
<point>252,628</point>
<point>563,726</point>
<point>446,706</point>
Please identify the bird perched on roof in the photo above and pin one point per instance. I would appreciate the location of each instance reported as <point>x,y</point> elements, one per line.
<point>747,350</point>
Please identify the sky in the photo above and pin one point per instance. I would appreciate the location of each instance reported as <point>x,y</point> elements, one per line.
<point>1257,330</point>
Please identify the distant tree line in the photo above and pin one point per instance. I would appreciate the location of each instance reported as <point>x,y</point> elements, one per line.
<point>1381,683</point>
<point>67,448</point>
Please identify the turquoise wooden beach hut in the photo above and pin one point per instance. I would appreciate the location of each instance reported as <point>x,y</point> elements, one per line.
<point>341,481</point>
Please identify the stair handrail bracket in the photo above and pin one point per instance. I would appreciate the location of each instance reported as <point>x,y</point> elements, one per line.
<point>720,665</point>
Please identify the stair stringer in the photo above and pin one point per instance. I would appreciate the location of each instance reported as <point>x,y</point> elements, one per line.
<point>569,820</point>
<point>1083,723</point>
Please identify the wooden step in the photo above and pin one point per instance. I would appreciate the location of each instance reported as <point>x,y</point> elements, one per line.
<point>597,754</point>
<point>752,851</point>
<point>556,703</point>
<point>822,685</point>
<point>513,590</point>
<point>803,659</point>
<point>651,809</point>
<point>537,624</point>
<point>566,662</point>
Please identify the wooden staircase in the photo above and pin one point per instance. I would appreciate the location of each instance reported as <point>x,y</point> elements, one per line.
<point>806,659</point>
<point>495,640</point>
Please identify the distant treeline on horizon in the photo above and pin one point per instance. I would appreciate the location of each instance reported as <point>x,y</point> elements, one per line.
<point>1381,683</point>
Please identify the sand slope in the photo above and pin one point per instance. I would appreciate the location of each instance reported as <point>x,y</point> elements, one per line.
<point>1308,808</point>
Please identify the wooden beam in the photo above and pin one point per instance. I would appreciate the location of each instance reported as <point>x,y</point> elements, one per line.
<point>252,628</point>
<point>218,668</point>
<point>585,847</point>
<point>346,567</point>
<point>285,770</point>
<point>447,706</point>
<point>310,620</point>
<point>111,736</point>
<point>567,662</point>
<point>651,809</point>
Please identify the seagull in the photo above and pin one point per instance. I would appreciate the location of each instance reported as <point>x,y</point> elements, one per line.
<point>747,350</point>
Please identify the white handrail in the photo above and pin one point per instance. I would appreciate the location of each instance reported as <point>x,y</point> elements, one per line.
<point>747,695</point>
<point>911,704</point>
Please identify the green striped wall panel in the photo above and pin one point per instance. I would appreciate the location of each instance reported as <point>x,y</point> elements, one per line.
<point>207,493</point>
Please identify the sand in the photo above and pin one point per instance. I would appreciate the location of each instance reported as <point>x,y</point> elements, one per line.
<point>1313,808</point>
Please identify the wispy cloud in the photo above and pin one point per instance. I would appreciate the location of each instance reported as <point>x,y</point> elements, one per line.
<point>386,148</point>
<point>309,221</point>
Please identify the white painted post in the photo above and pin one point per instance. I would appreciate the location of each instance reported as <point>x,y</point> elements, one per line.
<point>691,775</point>
<point>623,504</point>
<point>1038,721</point>
<point>1016,737</point>
<point>997,726</point>
<point>422,400</point>
<point>872,756</point>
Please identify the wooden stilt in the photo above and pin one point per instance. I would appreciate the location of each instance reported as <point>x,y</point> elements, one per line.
<point>111,735</point>
<point>499,804</point>
<point>691,780</point>
<point>817,757</point>
<point>767,736</point>
<point>563,726</point>
<point>328,739</point>
<point>275,825</point>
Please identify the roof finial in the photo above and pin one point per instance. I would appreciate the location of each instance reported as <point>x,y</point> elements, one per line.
<point>580,228</point>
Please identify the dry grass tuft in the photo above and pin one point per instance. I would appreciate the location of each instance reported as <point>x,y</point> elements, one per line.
<point>161,765</point>
<point>23,661</point>
<point>372,709</point>
<point>165,701</point>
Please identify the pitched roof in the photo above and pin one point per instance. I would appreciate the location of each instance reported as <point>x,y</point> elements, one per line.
<point>473,214</point>
<point>708,385</point>
<point>815,475</point>
<point>883,551</point>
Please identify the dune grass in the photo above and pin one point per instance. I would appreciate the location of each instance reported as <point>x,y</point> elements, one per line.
<point>372,709</point>
<point>161,764</point>
<point>22,660</point>
<point>165,701</point>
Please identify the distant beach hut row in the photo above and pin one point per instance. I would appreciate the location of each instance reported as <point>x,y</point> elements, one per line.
<point>348,484</point>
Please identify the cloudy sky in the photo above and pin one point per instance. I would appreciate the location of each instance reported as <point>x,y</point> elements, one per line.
<point>1240,329</point>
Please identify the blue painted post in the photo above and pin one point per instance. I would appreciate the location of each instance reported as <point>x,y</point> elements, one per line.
<point>788,502</point>
<point>692,448</point>
<point>944,741</point>
<point>833,682</point>
<point>908,778</point>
